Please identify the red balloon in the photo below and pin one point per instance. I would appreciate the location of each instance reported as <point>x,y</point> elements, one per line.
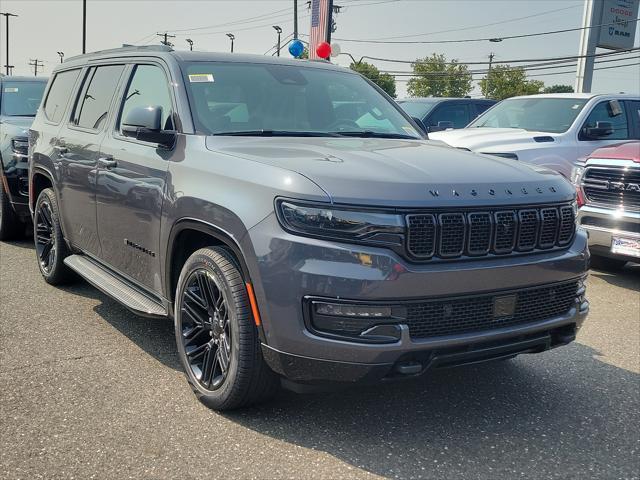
<point>323,50</point>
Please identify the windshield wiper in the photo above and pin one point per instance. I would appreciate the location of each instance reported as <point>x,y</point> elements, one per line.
<point>372,134</point>
<point>273,133</point>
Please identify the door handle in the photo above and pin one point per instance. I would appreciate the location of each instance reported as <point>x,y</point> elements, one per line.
<point>107,162</point>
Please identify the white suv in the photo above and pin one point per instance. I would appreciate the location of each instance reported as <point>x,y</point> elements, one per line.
<point>550,130</point>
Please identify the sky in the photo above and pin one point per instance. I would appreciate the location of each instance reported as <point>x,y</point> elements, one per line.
<point>45,27</point>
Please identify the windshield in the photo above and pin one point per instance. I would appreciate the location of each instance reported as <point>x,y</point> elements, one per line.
<point>21,99</point>
<point>553,115</point>
<point>288,100</point>
<point>418,109</point>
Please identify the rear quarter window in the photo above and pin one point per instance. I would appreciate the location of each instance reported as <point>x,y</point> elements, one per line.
<point>61,87</point>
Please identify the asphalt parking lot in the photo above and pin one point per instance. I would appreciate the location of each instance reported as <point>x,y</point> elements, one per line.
<point>89,390</point>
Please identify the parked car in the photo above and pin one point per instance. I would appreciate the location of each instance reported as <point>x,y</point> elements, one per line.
<point>19,100</point>
<point>438,114</point>
<point>550,130</point>
<point>608,183</point>
<point>286,241</point>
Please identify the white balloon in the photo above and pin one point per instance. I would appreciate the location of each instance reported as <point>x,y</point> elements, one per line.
<point>335,49</point>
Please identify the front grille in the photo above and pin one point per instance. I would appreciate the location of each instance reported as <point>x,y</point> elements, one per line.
<point>451,316</point>
<point>455,234</point>
<point>617,187</point>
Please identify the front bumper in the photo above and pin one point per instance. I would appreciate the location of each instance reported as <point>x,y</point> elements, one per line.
<point>603,224</point>
<point>290,268</point>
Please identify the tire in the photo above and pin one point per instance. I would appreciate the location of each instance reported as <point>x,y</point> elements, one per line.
<point>51,248</point>
<point>10,225</point>
<point>606,263</point>
<point>217,338</point>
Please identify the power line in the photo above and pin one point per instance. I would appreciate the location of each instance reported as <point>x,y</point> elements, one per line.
<point>521,60</point>
<point>488,39</point>
<point>36,63</point>
<point>474,27</point>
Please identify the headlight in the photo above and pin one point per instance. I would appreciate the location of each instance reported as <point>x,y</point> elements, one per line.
<point>20,145</point>
<point>342,223</point>
<point>576,174</point>
<point>510,156</point>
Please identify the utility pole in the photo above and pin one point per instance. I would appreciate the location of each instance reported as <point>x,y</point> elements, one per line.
<point>84,26</point>
<point>10,69</point>
<point>6,16</point>
<point>190,42</point>
<point>166,37</point>
<point>232,37</point>
<point>491,55</point>
<point>61,55</point>
<point>279,30</point>
<point>295,19</point>
<point>36,63</point>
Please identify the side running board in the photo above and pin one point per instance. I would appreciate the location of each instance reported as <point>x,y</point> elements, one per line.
<point>115,287</point>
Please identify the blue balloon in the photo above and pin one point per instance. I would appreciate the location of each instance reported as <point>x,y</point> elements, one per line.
<point>296,47</point>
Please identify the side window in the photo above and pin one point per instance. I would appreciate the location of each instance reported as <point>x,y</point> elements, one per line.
<point>634,112</point>
<point>149,87</point>
<point>603,112</point>
<point>59,93</point>
<point>93,107</point>
<point>482,107</point>
<point>458,114</point>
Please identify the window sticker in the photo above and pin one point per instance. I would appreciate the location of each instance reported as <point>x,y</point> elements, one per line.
<point>10,89</point>
<point>201,77</point>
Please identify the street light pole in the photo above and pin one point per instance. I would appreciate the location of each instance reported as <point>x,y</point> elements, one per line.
<point>61,55</point>
<point>232,37</point>
<point>6,16</point>
<point>190,42</point>
<point>84,26</point>
<point>279,30</point>
<point>295,19</point>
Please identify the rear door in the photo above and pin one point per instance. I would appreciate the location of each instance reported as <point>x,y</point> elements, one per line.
<point>131,181</point>
<point>78,147</point>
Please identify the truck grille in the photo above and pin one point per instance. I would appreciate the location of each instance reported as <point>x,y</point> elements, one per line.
<point>454,234</point>
<point>451,316</point>
<point>617,187</point>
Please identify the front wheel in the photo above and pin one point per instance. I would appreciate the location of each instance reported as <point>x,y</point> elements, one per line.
<point>216,336</point>
<point>10,225</point>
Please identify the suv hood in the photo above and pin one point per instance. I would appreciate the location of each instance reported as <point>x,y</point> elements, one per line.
<point>389,172</point>
<point>19,122</point>
<point>490,139</point>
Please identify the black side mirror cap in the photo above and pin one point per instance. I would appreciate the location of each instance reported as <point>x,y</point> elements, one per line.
<point>145,123</point>
<point>601,130</point>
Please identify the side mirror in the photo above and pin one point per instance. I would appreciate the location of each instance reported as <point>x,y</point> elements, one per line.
<point>420,124</point>
<point>601,130</point>
<point>444,125</point>
<point>145,123</point>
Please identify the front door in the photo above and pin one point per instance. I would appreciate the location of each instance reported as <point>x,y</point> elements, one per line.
<point>131,183</point>
<point>604,112</point>
<point>77,152</point>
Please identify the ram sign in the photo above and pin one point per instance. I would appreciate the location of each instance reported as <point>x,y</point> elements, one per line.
<point>618,24</point>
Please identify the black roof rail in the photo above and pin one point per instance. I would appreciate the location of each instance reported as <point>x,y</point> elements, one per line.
<point>126,48</point>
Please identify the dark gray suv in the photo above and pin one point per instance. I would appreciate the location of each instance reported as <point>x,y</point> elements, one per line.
<point>294,222</point>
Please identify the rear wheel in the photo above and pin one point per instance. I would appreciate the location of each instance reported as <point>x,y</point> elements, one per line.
<point>606,263</point>
<point>51,249</point>
<point>10,225</point>
<point>216,336</point>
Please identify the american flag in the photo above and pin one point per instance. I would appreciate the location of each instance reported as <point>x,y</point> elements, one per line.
<point>320,18</point>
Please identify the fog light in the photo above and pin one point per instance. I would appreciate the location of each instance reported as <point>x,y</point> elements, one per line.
<point>354,311</point>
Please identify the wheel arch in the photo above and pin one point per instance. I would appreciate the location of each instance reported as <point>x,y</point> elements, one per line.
<point>40,179</point>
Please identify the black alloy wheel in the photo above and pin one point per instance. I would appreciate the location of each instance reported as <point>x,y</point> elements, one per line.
<point>51,249</point>
<point>46,247</point>
<point>216,333</point>
<point>206,330</point>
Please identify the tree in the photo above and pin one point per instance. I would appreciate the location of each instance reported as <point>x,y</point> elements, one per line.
<point>504,81</point>
<point>559,89</point>
<point>383,80</point>
<point>435,77</point>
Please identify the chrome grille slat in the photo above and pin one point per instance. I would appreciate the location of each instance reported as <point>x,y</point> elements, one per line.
<point>478,233</point>
<point>616,187</point>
